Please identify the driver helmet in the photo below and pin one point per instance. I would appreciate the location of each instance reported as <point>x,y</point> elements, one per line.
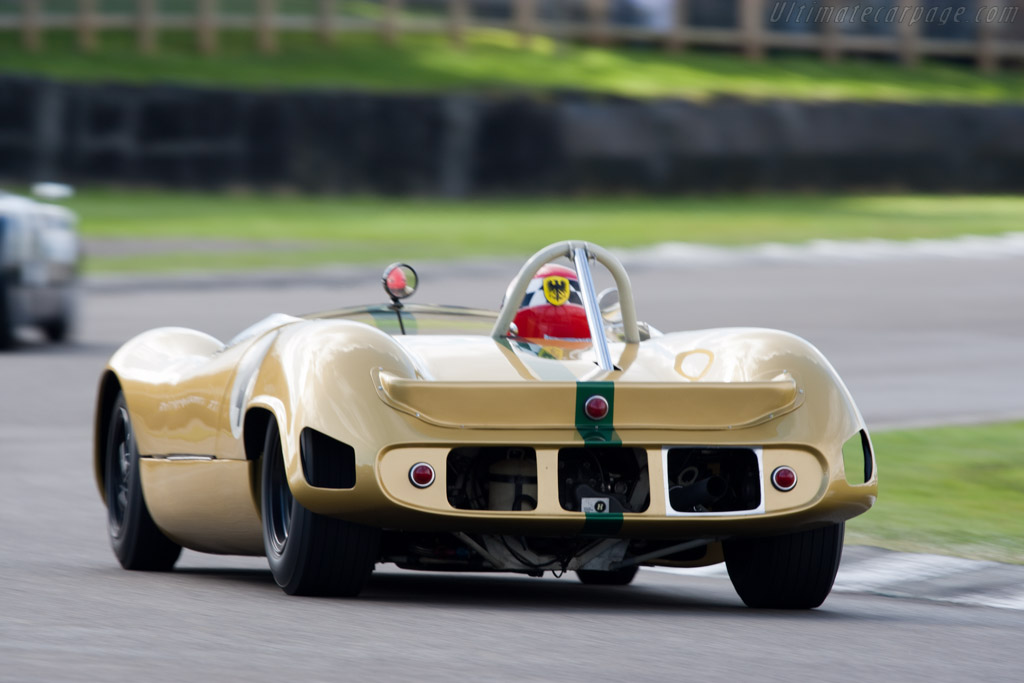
<point>552,309</point>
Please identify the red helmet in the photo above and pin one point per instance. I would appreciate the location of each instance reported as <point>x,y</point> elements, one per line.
<point>553,307</point>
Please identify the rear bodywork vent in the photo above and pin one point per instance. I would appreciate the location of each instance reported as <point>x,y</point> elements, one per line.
<point>603,479</point>
<point>857,458</point>
<point>493,478</point>
<point>703,480</point>
<point>326,462</point>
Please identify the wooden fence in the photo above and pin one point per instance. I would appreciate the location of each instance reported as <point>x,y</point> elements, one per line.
<point>754,33</point>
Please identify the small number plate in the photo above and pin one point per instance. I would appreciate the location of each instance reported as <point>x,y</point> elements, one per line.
<point>599,505</point>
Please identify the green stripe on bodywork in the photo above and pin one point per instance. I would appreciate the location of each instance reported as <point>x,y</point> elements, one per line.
<point>596,432</point>
<point>602,523</point>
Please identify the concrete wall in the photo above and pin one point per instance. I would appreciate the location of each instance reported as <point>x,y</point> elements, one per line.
<point>460,145</point>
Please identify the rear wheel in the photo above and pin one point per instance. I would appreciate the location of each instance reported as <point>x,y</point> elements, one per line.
<point>135,538</point>
<point>792,571</point>
<point>6,316</point>
<point>615,577</point>
<point>60,328</point>
<point>56,330</point>
<point>310,554</point>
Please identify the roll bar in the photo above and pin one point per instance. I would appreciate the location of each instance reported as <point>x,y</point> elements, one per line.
<point>579,253</point>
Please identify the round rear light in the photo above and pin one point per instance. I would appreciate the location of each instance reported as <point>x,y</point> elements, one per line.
<point>784,478</point>
<point>421,475</point>
<point>596,407</point>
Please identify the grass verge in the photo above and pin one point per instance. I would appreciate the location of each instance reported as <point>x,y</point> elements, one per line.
<point>494,59</point>
<point>361,229</point>
<point>950,490</point>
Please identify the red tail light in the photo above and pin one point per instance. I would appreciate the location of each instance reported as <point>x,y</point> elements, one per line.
<point>421,475</point>
<point>784,478</point>
<point>596,407</point>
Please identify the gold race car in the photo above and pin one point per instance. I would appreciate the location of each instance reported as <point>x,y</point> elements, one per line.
<point>557,434</point>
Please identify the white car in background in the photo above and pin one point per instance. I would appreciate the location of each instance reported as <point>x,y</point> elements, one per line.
<point>39,262</point>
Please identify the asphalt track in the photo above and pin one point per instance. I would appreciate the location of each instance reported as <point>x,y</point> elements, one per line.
<point>919,341</point>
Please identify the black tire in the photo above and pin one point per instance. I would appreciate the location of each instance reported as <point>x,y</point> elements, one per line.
<point>57,330</point>
<point>310,554</point>
<point>793,571</point>
<point>135,538</point>
<point>6,316</point>
<point>615,577</point>
<point>60,329</point>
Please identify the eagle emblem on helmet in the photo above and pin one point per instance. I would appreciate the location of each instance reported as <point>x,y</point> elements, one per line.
<point>556,289</point>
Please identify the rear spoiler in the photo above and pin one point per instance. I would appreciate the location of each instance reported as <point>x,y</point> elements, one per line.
<point>552,405</point>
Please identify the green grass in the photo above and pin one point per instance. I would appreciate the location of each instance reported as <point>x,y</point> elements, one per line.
<point>364,229</point>
<point>952,490</point>
<point>495,60</point>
